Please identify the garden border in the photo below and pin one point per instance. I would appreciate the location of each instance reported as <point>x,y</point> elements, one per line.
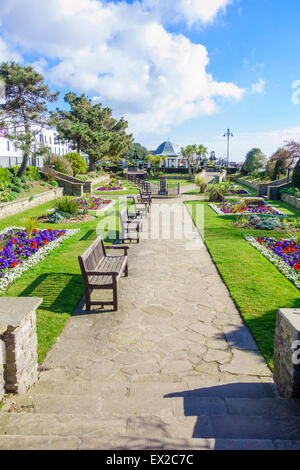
<point>219,212</point>
<point>42,253</point>
<point>281,265</point>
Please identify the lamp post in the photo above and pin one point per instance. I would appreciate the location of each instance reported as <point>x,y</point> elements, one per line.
<point>228,134</point>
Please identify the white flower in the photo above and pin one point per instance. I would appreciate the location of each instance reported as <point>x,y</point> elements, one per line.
<point>277,261</point>
<point>18,271</point>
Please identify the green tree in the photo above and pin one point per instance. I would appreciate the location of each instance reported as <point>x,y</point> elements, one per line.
<point>136,149</point>
<point>255,160</point>
<point>92,129</point>
<point>78,163</point>
<point>192,154</point>
<point>24,112</point>
<point>296,176</point>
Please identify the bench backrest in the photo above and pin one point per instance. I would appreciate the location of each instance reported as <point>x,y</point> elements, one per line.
<point>92,257</point>
<point>123,217</point>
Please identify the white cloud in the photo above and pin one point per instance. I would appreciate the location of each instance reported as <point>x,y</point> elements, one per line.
<point>191,11</point>
<point>258,87</point>
<point>123,54</point>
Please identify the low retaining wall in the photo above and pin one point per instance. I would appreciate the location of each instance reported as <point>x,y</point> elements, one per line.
<point>18,327</point>
<point>247,183</point>
<point>291,200</point>
<point>287,353</point>
<point>14,207</point>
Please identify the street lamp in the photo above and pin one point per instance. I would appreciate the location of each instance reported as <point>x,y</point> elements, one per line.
<point>228,134</point>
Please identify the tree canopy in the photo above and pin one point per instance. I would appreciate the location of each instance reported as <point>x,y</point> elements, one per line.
<point>92,129</point>
<point>24,112</point>
<point>136,149</point>
<point>255,160</point>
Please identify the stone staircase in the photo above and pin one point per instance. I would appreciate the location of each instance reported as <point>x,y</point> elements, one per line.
<point>61,414</point>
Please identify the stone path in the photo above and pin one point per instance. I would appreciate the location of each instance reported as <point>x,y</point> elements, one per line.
<point>174,368</point>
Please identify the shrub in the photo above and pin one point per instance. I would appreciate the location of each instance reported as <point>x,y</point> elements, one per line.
<point>296,176</point>
<point>5,175</point>
<point>30,224</point>
<point>201,183</point>
<point>216,193</point>
<point>16,189</point>
<point>16,181</point>
<point>26,187</point>
<point>12,196</point>
<point>53,183</point>
<point>58,217</point>
<point>14,170</point>
<point>61,164</point>
<point>66,204</point>
<point>32,173</point>
<point>78,162</point>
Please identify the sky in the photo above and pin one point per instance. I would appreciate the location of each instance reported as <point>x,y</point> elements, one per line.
<point>184,70</point>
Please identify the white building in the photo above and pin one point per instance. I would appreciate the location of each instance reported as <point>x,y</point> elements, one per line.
<point>172,154</point>
<point>11,156</point>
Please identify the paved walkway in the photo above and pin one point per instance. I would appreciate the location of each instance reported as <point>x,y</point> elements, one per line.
<point>174,368</point>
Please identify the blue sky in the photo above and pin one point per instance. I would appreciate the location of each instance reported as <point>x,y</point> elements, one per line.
<point>175,69</point>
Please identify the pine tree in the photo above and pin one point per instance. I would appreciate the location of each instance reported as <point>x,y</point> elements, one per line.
<point>24,112</point>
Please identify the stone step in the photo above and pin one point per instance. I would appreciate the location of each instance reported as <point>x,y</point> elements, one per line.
<point>167,427</point>
<point>135,443</point>
<point>205,388</point>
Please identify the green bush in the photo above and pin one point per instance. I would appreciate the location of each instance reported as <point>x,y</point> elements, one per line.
<point>5,175</point>
<point>296,176</point>
<point>53,183</point>
<point>61,164</point>
<point>13,195</point>
<point>16,181</point>
<point>66,204</point>
<point>16,189</point>
<point>25,179</point>
<point>14,170</point>
<point>32,173</point>
<point>26,187</point>
<point>78,162</point>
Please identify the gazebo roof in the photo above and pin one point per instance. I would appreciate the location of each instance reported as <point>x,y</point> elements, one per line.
<point>167,148</point>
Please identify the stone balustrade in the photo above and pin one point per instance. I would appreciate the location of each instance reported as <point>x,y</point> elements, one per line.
<point>18,333</point>
<point>287,353</point>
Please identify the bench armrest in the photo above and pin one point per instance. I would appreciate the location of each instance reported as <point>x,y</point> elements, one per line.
<point>115,247</point>
<point>101,273</point>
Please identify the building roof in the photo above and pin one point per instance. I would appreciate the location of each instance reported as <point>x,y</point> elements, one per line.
<point>167,148</point>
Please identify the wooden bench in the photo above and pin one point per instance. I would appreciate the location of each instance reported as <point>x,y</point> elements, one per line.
<point>140,209</point>
<point>146,198</point>
<point>100,271</point>
<point>129,229</point>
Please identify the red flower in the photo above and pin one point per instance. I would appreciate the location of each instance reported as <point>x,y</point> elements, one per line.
<point>35,230</point>
<point>33,245</point>
<point>14,264</point>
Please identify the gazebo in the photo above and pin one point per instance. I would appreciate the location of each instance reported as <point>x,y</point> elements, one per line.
<point>172,153</point>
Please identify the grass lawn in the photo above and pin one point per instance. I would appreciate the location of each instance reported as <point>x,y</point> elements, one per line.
<point>130,189</point>
<point>172,182</point>
<point>57,279</point>
<point>252,192</point>
<point>257,287</point>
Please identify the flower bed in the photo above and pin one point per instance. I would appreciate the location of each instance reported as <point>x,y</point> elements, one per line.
<point>19,252</point>
<point>245,207</point>
<point>96,206</point>
<point>238,191</point>
<point>283,253</point>
<point>93,203</point>
<point>112,187</point>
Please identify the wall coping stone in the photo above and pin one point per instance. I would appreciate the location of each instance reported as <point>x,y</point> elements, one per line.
<point>13,310</point>
<point>292,316</point>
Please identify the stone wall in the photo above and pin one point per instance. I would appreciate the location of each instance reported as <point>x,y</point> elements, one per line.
<point>14,207</point>
<point>18,326</point>
<point>291,200</point>
<point>2,361</point>
<point>250,184</point>
<point>286,360</point>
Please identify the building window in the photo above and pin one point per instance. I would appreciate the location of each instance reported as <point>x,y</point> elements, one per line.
<point>9,161</point>
<point>41,138</point>
<point>8,146</point>
<point>16,160</point>
<point>50,140</point>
